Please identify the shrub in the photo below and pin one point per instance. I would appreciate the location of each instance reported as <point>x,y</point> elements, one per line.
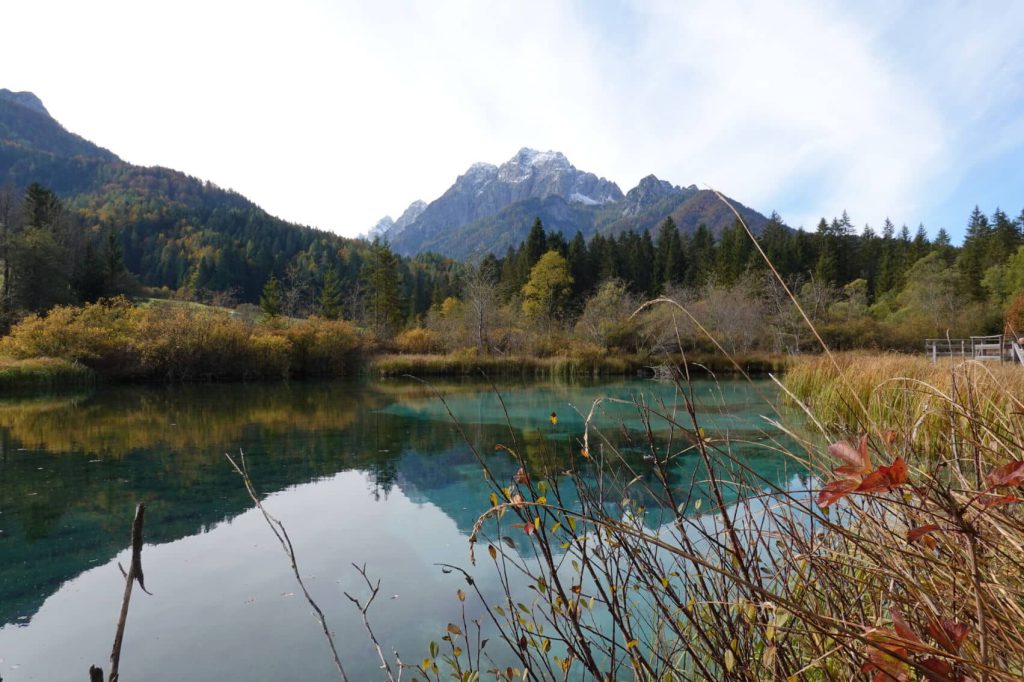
<point>417,341</point>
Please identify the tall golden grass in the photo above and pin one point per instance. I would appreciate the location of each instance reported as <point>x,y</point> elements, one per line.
<point>911,394</point>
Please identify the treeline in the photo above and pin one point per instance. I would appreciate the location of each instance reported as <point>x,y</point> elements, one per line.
<point>155,232</point>
<point>888,289</point>
<point>550,295</point>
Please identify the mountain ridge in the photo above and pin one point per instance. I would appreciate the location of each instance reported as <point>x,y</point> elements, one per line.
<point>490,207</point>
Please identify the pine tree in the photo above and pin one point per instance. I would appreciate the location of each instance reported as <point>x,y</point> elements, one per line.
<point>380,279</point>
<point>271,301</point>
<point>972,260</point>
<point>113,265</point>
<point>668,258</point>
<point>701,257</point>
<point>330,295</point>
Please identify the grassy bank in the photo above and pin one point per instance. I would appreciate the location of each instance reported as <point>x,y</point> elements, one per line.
<point>118,341</point>
<point>911,394</point>
<point>563,366</point>
<point>461,364</point>
<point>43,373</point>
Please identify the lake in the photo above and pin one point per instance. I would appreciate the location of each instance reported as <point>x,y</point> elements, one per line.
<point>358,472</point>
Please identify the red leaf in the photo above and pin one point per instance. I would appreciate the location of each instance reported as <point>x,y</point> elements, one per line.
<point>858,458</point>
<point>882,656</point>
<point>854,473</point>
<point>1011,474</point>
<point>521,476</point>
<point>915,534</point>
<point>948,633</point>
<point>874,482</point>
<point>942,669</point>
<point>885,478</point>
<point>1003,499</point>
<point>904,630</point>
<point>835,491</point>
<point>897,471</point>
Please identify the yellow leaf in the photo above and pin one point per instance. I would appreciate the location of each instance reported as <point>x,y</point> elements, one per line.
<point>730,660</point>
<point>454,629</point>
<point>494,499</point>
<point>631,643</point>
<point>542,500</point>
<point>492,551</point>
<point>536,522</point>
<point>461,595</point>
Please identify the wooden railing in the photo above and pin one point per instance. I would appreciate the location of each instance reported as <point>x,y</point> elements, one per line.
<point>996,348</point>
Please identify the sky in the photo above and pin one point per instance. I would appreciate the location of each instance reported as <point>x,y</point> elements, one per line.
<point>334,114</point>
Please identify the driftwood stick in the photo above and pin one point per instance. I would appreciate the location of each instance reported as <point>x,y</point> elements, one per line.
<point>134,573</point>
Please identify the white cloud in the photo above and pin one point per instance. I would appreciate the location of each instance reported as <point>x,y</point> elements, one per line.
<point>333,114</point>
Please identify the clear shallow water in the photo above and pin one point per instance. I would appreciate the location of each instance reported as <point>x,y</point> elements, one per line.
<point>357,471</point>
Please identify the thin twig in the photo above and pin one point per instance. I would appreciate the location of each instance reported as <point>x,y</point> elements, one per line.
<point>286,544</point>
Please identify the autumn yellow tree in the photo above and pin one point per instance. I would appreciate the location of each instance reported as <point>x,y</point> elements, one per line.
<point>549,287</point>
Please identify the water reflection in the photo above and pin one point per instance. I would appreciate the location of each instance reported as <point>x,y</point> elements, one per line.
<point>72,468</point>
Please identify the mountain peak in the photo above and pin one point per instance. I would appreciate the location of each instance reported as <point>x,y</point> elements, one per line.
<point>646,195</point>
<point>25,99</point>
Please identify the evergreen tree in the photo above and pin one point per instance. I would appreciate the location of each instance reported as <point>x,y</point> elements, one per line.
<point>536,244</point>
<point>668,259</point>
<point>380,279</point>
<point>330,295</point>
<point>113,265</point>
<point>579,268</point>
<point>701,257</point>
<point>271,300</point>
<point>972,261</point>
<point>826,269</point>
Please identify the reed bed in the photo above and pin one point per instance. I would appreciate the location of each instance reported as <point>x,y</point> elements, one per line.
<point>463,364</point>
<point>858,392</point>
<point>43,373</point>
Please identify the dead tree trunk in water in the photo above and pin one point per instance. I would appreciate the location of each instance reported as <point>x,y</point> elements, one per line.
<point>134,573</point>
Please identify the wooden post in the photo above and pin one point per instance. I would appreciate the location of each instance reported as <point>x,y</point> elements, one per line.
<point>134,573</point>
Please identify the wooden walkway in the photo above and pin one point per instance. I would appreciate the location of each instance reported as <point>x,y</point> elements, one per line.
<point>996,348</point>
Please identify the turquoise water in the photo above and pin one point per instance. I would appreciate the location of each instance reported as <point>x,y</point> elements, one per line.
<point>365,472</point>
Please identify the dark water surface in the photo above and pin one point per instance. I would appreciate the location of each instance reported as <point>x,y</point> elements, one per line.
<point>360,472</point>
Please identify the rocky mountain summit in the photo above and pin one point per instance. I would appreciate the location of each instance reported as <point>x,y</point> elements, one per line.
<point>491,207</point>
